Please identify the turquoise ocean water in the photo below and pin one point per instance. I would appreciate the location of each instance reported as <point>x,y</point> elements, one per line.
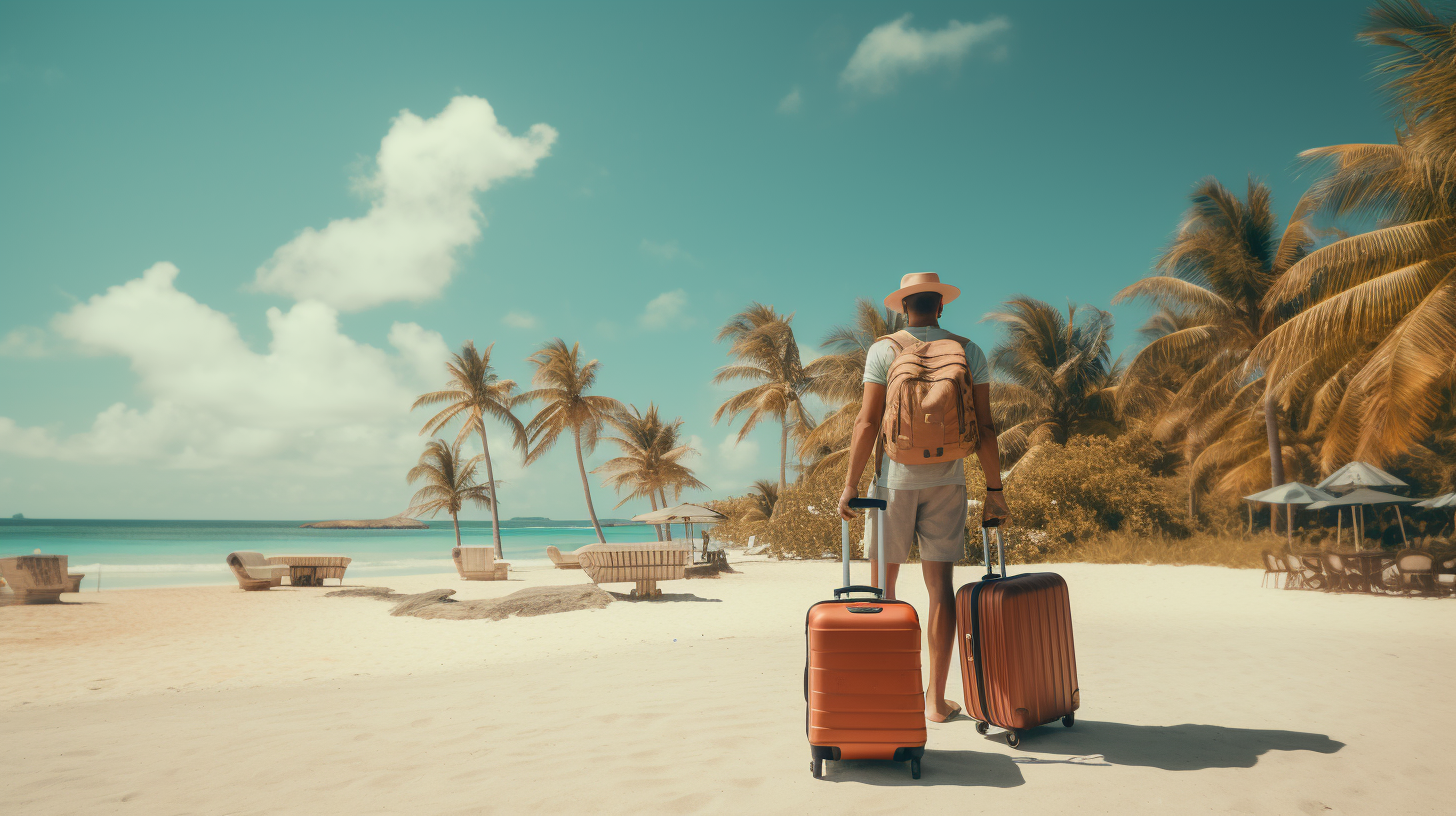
<point>134,554</point>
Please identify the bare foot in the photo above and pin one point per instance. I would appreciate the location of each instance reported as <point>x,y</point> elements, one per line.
<point>945,712</point>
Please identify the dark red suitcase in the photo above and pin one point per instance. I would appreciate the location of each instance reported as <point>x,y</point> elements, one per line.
<point>1018,665</point>
<point>862,687</point>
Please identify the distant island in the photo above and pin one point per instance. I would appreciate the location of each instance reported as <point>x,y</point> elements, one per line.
<point>399,522</point>
<point>529,518</point>
<point>18,516</point>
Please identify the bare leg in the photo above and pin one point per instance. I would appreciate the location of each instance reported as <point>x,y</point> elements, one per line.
<point>892,571</point>
<point>940,634</point>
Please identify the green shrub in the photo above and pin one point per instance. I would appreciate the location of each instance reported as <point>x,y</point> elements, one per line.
<point>1095,485</point>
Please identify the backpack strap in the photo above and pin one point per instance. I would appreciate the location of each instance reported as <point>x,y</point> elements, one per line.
<point>900,340</point>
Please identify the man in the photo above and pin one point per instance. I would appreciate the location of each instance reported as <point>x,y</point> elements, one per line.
<point>924,500</point>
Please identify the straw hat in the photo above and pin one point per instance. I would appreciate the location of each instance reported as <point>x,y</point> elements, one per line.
<point>917,282</point>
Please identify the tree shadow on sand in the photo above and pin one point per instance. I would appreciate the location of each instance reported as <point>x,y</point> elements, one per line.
<point>964,768</point>
<point>1187,747</point>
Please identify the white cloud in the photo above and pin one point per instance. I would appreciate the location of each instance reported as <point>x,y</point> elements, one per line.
<point>423,211</point>
<point>25,341</point>
<point>520,320</point>
<point>666,311</point>
<point>894,50</point>
<point>316,401</point>
<point>792,102</point>
<point>664,250</point>
<point>738,456</point>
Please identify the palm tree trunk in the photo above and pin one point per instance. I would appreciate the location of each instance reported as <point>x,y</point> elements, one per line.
<point>667,526</point>
<point>455,517</point>
<point>1276,457</point>
<point>657,528</point>
<point>784,454</point>
<point>500,552</point>
<point>586,487</point>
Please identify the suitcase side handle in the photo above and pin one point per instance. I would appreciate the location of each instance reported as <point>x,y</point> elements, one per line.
<point>876,591</point>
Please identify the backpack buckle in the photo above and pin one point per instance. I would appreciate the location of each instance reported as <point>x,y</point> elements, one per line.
<point>938,452</point>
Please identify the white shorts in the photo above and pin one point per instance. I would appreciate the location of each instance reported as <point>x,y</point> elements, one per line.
<point>934,515</point>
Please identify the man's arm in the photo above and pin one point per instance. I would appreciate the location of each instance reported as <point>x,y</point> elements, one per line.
<point>989,453</point>
<point>866,426</point>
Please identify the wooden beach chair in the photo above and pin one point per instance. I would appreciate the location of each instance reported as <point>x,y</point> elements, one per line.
<point>39,579</point>
<point>640,564</point>
<point>562,560</point>
<point>253,571</point>
<point>479,564</point>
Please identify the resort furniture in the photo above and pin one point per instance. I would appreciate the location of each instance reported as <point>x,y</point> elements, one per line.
<point>254,572</point>
<point>1303,575</point>
<point>1416,571</point>
<point>562,560</point>
<point>642,564</point>
<point>38,579</point>
<point>479,564</point>
<point>312,570</point>
<point>1273,567</point>
<point>1446,578</point>
<point>1368,575</point>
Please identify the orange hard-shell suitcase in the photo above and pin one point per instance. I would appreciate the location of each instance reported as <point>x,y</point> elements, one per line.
<point>1018,665</point>
<point>862,676</point>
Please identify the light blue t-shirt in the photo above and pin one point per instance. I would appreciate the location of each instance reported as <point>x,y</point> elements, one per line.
<point>895,475</point>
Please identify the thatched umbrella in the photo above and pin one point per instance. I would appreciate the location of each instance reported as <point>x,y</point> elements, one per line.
<point>1287,494</point>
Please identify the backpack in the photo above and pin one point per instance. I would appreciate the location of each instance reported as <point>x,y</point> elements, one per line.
<point>930,413</point>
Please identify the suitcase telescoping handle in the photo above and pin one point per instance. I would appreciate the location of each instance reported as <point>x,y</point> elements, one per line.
<point>868,504</point>
<point>993,524</point>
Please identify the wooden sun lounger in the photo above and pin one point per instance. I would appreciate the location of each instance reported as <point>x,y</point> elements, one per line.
<point>642,564</point>
<point>563,560</point>
<point>39,579</point>
<point>479,564</point>
<point>253,571</point>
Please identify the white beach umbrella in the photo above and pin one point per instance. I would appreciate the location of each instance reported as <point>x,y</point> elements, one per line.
<point>1288,493</point>
<point>684,513</point>
<point>1443,500</point>
<point>1358,474</point>
<point>1361,496</point>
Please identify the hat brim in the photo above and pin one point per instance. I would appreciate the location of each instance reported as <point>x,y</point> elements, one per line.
<point>947,294</point>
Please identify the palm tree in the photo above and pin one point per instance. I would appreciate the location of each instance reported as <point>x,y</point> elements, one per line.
<point>449,483</point>
<point>1056,379</point>
<point>561,381</point>
<point>762,497</point>
<point>1215,274</point>
<point>766,353</point>
<point>474,391</point>
<point>838,378</point>
<point>1375,343</point>
<point>651,460</point>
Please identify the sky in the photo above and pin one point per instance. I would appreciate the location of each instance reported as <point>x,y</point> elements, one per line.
<point>237,239</point>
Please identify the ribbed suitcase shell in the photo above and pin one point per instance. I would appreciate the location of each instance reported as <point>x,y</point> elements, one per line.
<point>1027,667</point>
<point>862,679</point>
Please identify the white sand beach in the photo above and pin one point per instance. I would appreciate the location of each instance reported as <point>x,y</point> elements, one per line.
<point>1201,693</point>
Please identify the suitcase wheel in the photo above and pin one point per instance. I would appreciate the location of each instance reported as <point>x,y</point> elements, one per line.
<point>1013,739</point>
<point>816,766</point>
<point>914,769</point>
<point>982,728</point>
<point>1069,719</point>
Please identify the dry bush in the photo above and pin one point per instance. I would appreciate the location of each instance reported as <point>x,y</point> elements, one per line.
<point>1207,549</point>
<point>805,522</point>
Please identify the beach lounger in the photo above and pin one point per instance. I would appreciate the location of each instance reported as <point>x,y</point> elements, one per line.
<point>562,560</point>
<point>253,571</point>
<point>642,564</point>
<point>479,564</point>
<point>38,579</point>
